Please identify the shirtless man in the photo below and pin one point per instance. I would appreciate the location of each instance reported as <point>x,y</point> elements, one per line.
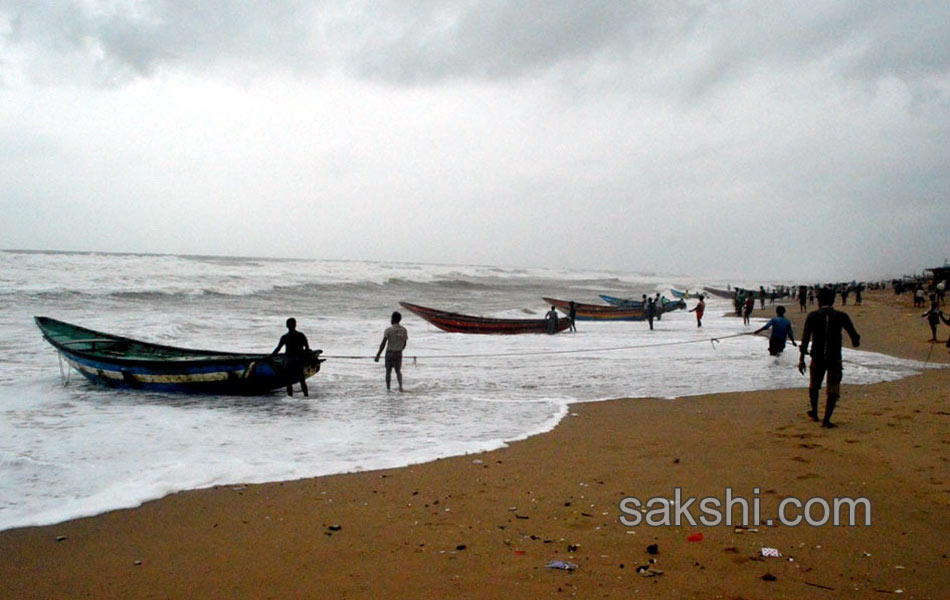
<point>296,345</point>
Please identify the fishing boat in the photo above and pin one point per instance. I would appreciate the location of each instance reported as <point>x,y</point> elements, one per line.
<point>126,363</point>
<point>599,312</point>
<point>679,294</point>
<point>454,322</point>
<point>727,294</point>
<point>666,305</point>
<point>624,302</point>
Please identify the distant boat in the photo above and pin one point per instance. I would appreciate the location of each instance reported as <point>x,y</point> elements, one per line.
<point>599,312</point>
<point>666,305</point>
<point>454,322</point>
<point>679,294</point>
<point>727,294</point>
<point>624,302</point>
<point>126,363</point>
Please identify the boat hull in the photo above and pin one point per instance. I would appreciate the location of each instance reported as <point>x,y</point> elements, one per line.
<point>119,362</point>
<point>598,312</point>
<point>460,323</point>
<point>727,294</point>
<point>665,305</point>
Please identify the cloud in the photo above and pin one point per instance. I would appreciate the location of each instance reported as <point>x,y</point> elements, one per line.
<point>696,45</point>
<point>643,135</point>
<point>109,43</point>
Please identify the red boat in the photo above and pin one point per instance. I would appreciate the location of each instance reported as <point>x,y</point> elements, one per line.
<point>459,323</point>
<point>599,312</point>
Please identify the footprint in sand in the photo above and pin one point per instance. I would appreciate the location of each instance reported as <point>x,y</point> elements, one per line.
<point>801,460</point>
<point>808,476</point>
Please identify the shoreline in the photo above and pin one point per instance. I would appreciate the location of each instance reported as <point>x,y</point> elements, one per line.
<point>447,528</point>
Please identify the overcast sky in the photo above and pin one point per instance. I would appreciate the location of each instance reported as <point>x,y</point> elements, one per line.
<point>765,140</point>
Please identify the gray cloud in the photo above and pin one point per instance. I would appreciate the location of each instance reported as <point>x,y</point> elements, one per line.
<point>426,42</point>
<point>117,42</point>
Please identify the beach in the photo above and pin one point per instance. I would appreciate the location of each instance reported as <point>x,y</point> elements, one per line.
<point>487,525</point>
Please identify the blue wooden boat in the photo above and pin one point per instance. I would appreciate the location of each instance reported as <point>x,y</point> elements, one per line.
<point>624,302</point>
<point>121,362</point>
<point>666,305</point>
<point>680,294</point>
<point>597,312</point>
<point>670,305</point>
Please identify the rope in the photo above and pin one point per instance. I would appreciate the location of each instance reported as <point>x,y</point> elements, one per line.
<point>714,341</point>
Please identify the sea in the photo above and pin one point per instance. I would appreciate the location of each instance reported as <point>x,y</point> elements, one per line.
<point>70,448</point>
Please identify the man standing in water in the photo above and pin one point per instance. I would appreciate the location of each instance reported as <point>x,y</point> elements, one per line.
<point>296,344</point>
<point>781,329</point>
<point>699,310</point>
<point>396,336</point>
<point>823,329</point>
<point>551,319</point>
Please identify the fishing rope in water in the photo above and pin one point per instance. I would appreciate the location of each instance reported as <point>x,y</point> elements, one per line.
<point>714,341</point>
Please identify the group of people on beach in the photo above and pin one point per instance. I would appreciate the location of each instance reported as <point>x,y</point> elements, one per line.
<point>822,338</point>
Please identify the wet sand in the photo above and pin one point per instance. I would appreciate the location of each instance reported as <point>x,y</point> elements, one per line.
<point>486,525</point>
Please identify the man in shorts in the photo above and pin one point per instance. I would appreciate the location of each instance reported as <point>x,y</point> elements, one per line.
<point>823,330</point>
<point>396,337</point>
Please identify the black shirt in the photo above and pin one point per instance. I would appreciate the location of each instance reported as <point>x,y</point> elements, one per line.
<point>295,342</point>
<point>823,328</point>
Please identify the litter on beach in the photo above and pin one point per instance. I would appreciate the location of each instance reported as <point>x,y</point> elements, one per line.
<point>560,564</point>
<point>771,552</point>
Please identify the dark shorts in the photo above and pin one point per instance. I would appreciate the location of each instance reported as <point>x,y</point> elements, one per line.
<point>776,345</point>
<point>818,370</point>
<point>394,359</point>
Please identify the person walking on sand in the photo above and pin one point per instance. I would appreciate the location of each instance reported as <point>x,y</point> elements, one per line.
<point>572,315</point>
<point>396,337</point>
<point>781,330</point>
<point>296,348</point>
<point>802,298</point>
<point>823,331</point>
<point>933,317</point>
<point>699,309</point>
<point>919,296</point>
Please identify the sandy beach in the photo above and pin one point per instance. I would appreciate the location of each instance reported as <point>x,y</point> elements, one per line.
<point>487,525</point>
